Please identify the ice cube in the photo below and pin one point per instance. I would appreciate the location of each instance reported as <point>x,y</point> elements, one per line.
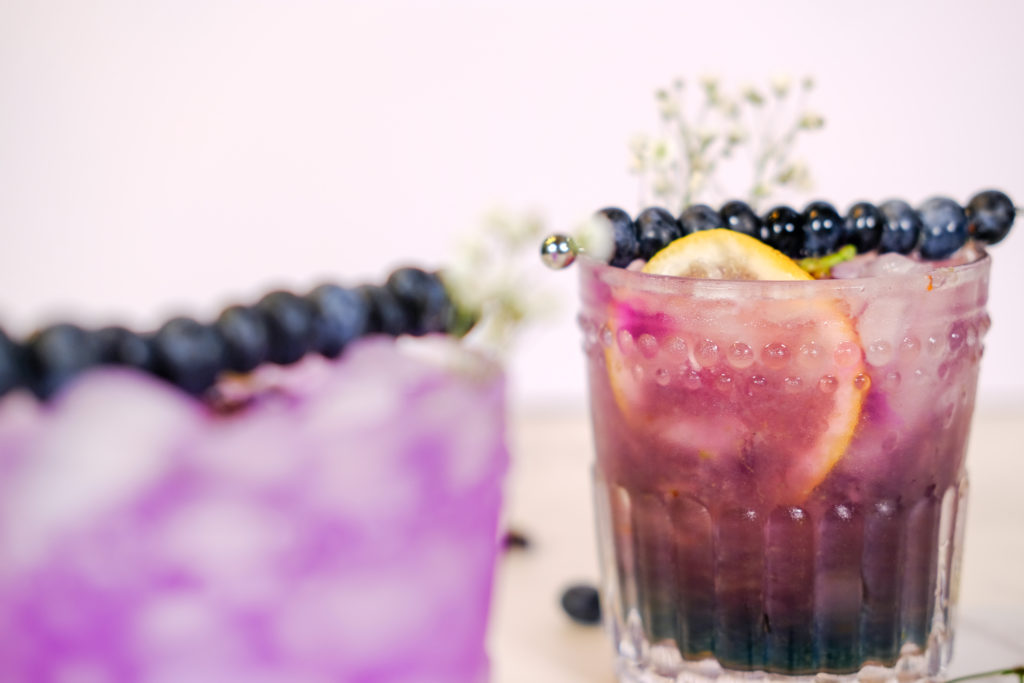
<point>872,265</point>
<point>231,544</point>
<point>895,264</point>
<point>259,449</point>
<point>103,440</point>
<point>356,617</point>
<point>474,449</point>
<point>182,626</point>
<point>367,480</point>
<point>82,670</point>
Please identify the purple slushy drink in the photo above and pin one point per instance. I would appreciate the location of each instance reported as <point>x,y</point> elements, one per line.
<point>780,466</point>
<point>330,521</point>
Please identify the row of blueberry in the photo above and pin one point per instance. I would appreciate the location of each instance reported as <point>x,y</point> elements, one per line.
<point>937,229</point>
<point>281,328</point>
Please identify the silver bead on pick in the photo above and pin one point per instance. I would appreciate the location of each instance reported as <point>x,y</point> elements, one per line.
<point>558,251</point>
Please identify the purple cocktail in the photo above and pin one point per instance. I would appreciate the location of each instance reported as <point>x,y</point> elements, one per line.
<point>334,520</point>
<point>780,467</point>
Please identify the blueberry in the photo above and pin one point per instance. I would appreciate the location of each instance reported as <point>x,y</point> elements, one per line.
<point>289,320</point>
<point>700,217</point>
<point>582,603</point>
<point>656,228</point>
<point>188,354</point>
<point>739,217</point>
<point>246,338</point>
<point>12,372</point>
<point>624,231</point>
<point>339,316</point>
<point>118,345</point>
<point>56,354</point>
<point>863,227</point>
<point>385,315</point>
<point>901,227</point>
<point>990,215</point>
<point>427,305</point>
<point>515,540</point>
<point>781,229</point>
<point>822,229</point>
<point>943,228</point>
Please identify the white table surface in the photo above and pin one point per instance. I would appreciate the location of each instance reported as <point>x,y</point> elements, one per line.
<point>549,499</point>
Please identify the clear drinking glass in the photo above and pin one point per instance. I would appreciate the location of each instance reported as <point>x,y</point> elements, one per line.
<point>329,521</point>
<point>779,472</point>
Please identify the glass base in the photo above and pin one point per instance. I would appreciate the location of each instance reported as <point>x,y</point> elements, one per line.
<point>662,663</point>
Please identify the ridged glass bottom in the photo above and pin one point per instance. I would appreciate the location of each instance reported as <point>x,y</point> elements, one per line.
<point>663,666</point>
<point>830,591</point>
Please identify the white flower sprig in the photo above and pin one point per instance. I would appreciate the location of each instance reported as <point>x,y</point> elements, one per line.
<point>491,281</point>
<point>703,128</point>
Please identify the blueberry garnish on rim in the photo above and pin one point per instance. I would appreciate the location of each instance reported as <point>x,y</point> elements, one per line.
<point>943,228</point>
<point>246,338</point>
<point>424,299</point>
<point>933,232</point>
<point>55,354</point>
<point>990,216</point>
<point>862,227</point>
<point>656,229</point>
<point>739,217</point>
<point>782,230</point>
<point>118,345</point>
<point>340,316</point>
<point>901,227</point>
<point>700,217</point>
<point>822,228</point>
<point>189,354</point>
<point>289,320</point>
<point>11,365</point>
<point>627,245</point>
<point>280,328</point>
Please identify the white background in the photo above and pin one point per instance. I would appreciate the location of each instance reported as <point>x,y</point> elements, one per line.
<point>161,157</point>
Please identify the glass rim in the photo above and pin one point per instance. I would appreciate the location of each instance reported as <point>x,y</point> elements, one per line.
<point>941,277</point>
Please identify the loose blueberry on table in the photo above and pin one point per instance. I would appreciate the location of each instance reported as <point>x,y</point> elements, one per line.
<point>582,603</point>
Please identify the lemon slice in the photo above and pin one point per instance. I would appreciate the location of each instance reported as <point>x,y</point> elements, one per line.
<point>772,385</point>
<point>722,254</point>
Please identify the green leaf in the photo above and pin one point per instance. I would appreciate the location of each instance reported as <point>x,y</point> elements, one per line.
<point>820,267</point>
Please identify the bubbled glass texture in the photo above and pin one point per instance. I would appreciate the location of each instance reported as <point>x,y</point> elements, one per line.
<point>779,472</point>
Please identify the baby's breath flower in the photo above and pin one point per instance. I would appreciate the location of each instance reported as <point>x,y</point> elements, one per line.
<point>753,96</point>
<point>668,108</point>
<point>781,85</point>
<point>711,90</point>
<point>663,187</point>
<point>696,180</point>
<point>802,180</point>
<point>638,143</point>
<point>796,174</point>
<point>638,153</point>
<point>492,289</point>
<point>660,149</point>
<point>761,123</point>
<point>596,237</point>
<point>811,121</point>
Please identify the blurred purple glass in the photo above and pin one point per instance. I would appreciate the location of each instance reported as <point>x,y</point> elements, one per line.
<point>339,524</point>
